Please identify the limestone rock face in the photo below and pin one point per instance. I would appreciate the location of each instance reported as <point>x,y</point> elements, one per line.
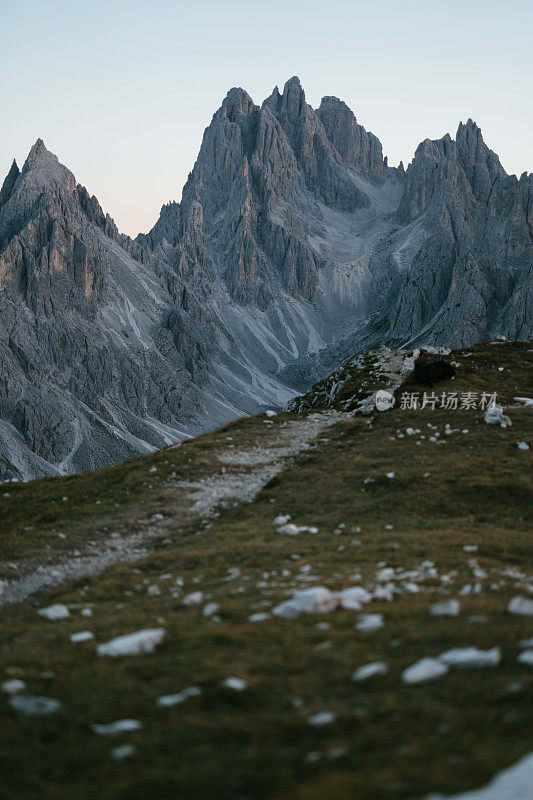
<point>464,264</point>
<point>357,147</point>
<point>84,362</point>
<point>294,247</point>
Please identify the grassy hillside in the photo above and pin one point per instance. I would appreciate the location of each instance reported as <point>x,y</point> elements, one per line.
<point>386,738</point>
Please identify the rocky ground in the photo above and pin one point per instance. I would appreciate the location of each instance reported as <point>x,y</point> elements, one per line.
<point>332,605</point>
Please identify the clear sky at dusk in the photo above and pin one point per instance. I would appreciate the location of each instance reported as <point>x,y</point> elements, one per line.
<point>122,91</point>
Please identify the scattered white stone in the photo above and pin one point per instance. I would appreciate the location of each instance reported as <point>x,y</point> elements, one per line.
<point>29,704</point>
<point>522,606</point>
<point>526,644</point>
<point>13,686</point>
<point>122,751</point>
<point>470,548</point>
<point>210,609</point>
<point>57,611</point>
<point>154,590</point>
<point>526,658</point>
<point>427,669</point>
<point>494,416</point>
<point>390,475</point>
<point>321,718</point>
<point>237,684</point>
<point>193,599</point>
<point>289,529</point>
<point>259,617</point>
<point>385,592</point>
<point>370,671</point>
<point>82,636</point>
<point>312,757</point>
<point>471,657</point>
<point>270,413</point>
<point>175,699</point>
<point>282,519</point>
<point>448,608</point>
<point>526,402</point>
<point>353,597</point>
<point>144,641</point>
<point>384,574</point>
<point>369,622</point>
<point>315,600</point>
<point>87,611</point>
<point>120,726</point>
<point>523,445</point>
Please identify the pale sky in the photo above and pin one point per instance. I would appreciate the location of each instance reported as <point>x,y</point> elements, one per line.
<point>121,90</point>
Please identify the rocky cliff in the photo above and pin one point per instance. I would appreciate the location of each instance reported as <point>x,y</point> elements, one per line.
<point>294,246</point>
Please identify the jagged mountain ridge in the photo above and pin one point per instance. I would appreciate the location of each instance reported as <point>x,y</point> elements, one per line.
<point>294,245</point>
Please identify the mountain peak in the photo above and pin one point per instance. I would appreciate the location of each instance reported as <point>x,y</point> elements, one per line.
<point>356,146</point>
<point>292,91</point>
<point>9,182</point>
<point>237,101</point>
<point>293,84</point>
<point>39,156</point>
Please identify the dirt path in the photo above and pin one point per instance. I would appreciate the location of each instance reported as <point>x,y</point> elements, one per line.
<point>243,473</point>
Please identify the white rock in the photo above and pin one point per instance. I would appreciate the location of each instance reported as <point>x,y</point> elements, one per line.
<point>57,611</point>
<point>321,718</point>
<point>282,519</point>
<point>82,636</point>
<point>120,726</point>
<point>13,686</point>
<point>193,599</point>
<point>471,657</point>
<point>448,608</point>
<point>522,606</point>
<point>270,413</point>
<point>369,622</point>
<point>259,617</point>
<point>315,600</point>
<point>154,590</point>
<point>527,402</point>
<point>370,671</point>
<point>122,751</point>
<point>385,574</point>
<point>237,684</point>
<point>144,641</point>
<point>29,704</point>
<point>353,597</point>
<point>526,658</point>
<point>210,609</point>
<point>87,611</point>
<point>526,644</point>
<point>175,699</point>
<point>290,529</point>
<point>427,669</point>
<point>390,475</point>
<point>494,416</point>
<point>384,592</point>
<point>523,445</point>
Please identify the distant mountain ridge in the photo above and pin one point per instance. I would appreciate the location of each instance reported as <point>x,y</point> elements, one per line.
<point>294,246</point>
